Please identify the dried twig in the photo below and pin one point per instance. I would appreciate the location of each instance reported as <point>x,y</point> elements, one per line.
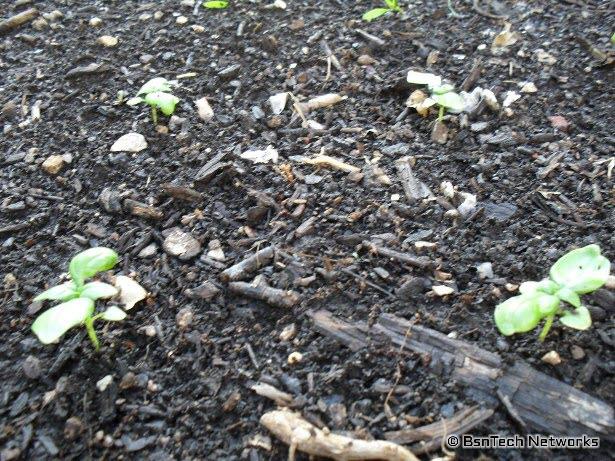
<point>269,295</point>
<point>301,435</point>
<point>17,20</point>
<point>244,268</point>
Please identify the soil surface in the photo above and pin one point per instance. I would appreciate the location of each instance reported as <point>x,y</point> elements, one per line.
<point>540,170</point>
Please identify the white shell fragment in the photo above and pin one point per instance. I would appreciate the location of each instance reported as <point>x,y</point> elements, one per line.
<point>130,142</point>
<point>205,111</point>
<point>261,156</point>
<point>510,97</point>
<point>130,291</point>
<point>278,102</point>
<point>424,78</point>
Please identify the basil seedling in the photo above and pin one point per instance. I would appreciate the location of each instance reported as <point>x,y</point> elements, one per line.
<point>576,273</point>
<point>442,94</point>
<point>157,94</point>
<point>79,298</point>
<point>391,5</point>
<point>216,5</point>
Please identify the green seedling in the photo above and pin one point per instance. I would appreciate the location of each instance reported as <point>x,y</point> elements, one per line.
<point>442,94</point>
<point>391,6</point>
<point>79,298</point>
<point>576,273</point>
<point>157,94</point>
<point>216,5</point>
<point>613,38</point>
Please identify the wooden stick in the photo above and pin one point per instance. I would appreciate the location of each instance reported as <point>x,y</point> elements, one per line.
<point>244,268</point>
<point>301,435</point>
<point>17,20</point>
<point>273,296</point>
<point>543,403</point>
<point>401,257</point>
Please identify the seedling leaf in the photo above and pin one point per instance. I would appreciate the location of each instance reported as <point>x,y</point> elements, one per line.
<point>582,270</point>
<point>155,85</point>
<point>54,322</point>
<point>134,101</point>
<point>544,286</point>
<point>518,314</point>
<point>375,13</point>
<point>166,102</point>
<point>221,4</point>
<point>579,319</point>
<point>113,314</point>
<point>393,5</point>
<point>63,292</point>
<point>97,290</point>
<point>547,304</point>
<point>569,296</point>
<point>451,101</point>
<point>90,262</point>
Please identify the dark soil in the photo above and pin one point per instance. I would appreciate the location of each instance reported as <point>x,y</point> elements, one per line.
<point>189,397</point>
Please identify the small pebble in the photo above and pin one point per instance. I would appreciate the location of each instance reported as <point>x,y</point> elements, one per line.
<point>53,164</point>
<point>577,352</point>
<point>95,22</point>
<point>103,383</point>
<point>552,358</point>
<point>288,332</point>
<point>294,358</point>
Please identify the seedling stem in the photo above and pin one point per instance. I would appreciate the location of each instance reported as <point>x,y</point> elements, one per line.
<point>546,328</point>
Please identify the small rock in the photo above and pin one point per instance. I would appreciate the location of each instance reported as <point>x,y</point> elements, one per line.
<point>205,111</point>
<point>181,244</point>
<point>107,41</point>
<point>278,102</point>
<point>485,271</point>
<point>110,200</point>
<point>32,367</point>
<point>148,251</point>
<point>158,15</point>
<point>382,272</point>
<point>499,211</point>
<point>215,251</point>
<point>197,29</point>
<point>95,22</point>
<point>104,383</point>
<point>40,24</point>
<point>53,164</point>
<point>181,20</point>
<point>423,245</point>
<point>559,123</point>
<point>288,333</point>
<point>442,290</point>
<point>184,318</point>
<point>577,352</point>
<point>479,127</point>
<point>439,133</point>
<point>230,72</point>
<point>528,87</point>
<point>129,380</point>
<point>146,58</point>
<point>206,291</point>
<point>366,60</point>
<point>294,358</point>
<point>130,142</point>
<point>552,358</point>
<point>73,428</point>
